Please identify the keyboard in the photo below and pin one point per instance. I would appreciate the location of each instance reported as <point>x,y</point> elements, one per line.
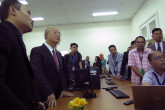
<point>118,94</point>
<point>110,82</point>
<point>102,76</point>
<point>108,78</point>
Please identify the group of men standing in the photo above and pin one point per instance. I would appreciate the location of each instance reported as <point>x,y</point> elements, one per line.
<point>139,60</point>
<point>27,85</point>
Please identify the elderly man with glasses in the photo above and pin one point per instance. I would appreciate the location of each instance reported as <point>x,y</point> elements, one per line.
<point>138,61</point>
<point>48,68</point>
<point>156,76</point>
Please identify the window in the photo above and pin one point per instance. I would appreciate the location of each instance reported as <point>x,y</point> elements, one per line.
<point>147,27</point>
<point>63,52</point>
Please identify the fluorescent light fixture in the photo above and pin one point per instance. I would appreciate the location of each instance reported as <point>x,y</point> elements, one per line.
<point>23,2</point>
<point>37,18</point>
<point>105,13</point>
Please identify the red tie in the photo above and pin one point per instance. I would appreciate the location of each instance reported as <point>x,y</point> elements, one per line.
<point>55,59</point>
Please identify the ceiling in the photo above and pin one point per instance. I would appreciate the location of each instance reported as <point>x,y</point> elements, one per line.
<point>63,12</point>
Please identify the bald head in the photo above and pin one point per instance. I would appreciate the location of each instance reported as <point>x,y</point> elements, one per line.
<point>152,54</point>
<point>157,61</point>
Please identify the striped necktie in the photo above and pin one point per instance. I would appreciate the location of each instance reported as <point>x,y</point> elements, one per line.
<point>55,59</point>
<point>159,48</point>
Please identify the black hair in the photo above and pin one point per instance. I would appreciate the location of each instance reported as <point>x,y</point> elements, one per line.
<point>156,29</point>
<point>133,42</point>
<point>111,46</point>
<point>98,59</point>
<point>150,56</point>
<point>73,44</point>
<point>140,37</point>
<point>4,8</point>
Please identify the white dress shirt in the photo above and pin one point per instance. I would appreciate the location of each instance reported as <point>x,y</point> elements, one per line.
<point>161,45</point>
<point>51,50</point>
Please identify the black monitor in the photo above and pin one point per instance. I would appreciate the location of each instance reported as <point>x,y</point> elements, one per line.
<point>83,81</point>
<point>81,77</point>
<point>90,75</point>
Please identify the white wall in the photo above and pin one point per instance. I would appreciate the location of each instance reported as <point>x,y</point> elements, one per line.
<point>95,38</point>
<point>146,11</point>
<point>92,39</point>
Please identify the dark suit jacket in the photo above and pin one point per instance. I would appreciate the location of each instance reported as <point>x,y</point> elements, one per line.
<point>152,46</point>
<point>48,79</point>
<point>83,63</point>
<point>124,63</point>
<point>16,88</point>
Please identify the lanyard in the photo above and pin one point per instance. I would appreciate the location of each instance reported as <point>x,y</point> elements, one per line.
<point>114,59</point>
<point>158,79</point>
<point>72,59</point>
<point>141,58</point>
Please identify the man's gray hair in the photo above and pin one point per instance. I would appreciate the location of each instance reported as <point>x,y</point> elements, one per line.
<point>47,31</point>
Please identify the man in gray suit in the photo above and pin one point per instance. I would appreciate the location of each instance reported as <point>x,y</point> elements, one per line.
<point>159,44</point>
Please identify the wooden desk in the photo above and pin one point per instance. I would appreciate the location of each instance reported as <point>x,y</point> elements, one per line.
<point>104,100</point>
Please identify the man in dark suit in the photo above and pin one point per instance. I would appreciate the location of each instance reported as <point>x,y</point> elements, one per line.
<point>48,68</point>
<point>16,76</point>
<point>86,62</point>
<point>159,44</point>
<point>125,70</point>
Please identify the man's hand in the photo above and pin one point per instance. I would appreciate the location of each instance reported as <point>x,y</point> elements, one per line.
<point>40,106</point>
<point>66,94</point>
<point>118,77</point>
<point>51,100</point>
<point>121,77</point>
<point>80,65</point>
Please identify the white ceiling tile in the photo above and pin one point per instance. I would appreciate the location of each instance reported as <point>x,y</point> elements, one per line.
<point>61,12</point>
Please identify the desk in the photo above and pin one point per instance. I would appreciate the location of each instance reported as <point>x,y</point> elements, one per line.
<point>104,100</point>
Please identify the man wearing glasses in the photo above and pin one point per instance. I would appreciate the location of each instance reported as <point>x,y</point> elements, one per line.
<point>138,60</point>
<point>156,76</point>
<point>114,60</point>
<point>48,69</point>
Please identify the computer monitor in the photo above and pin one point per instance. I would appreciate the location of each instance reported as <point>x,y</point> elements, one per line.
<point>90,75</point>
<point>149,97</point>
<point>81,76</point>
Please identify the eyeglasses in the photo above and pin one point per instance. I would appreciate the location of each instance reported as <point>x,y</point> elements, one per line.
<point>158,34</point>
<point>158,58</point>
<point>140,42</point>
<point>57,33</point>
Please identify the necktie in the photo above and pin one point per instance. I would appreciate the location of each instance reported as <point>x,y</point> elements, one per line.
<point>55,59</point>
<point>159,47</point>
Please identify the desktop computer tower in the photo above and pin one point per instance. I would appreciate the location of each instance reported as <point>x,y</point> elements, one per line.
<point>95,78</point>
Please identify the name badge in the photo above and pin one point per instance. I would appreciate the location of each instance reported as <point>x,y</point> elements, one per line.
<point>73,68</point>
<point>142,71</point>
